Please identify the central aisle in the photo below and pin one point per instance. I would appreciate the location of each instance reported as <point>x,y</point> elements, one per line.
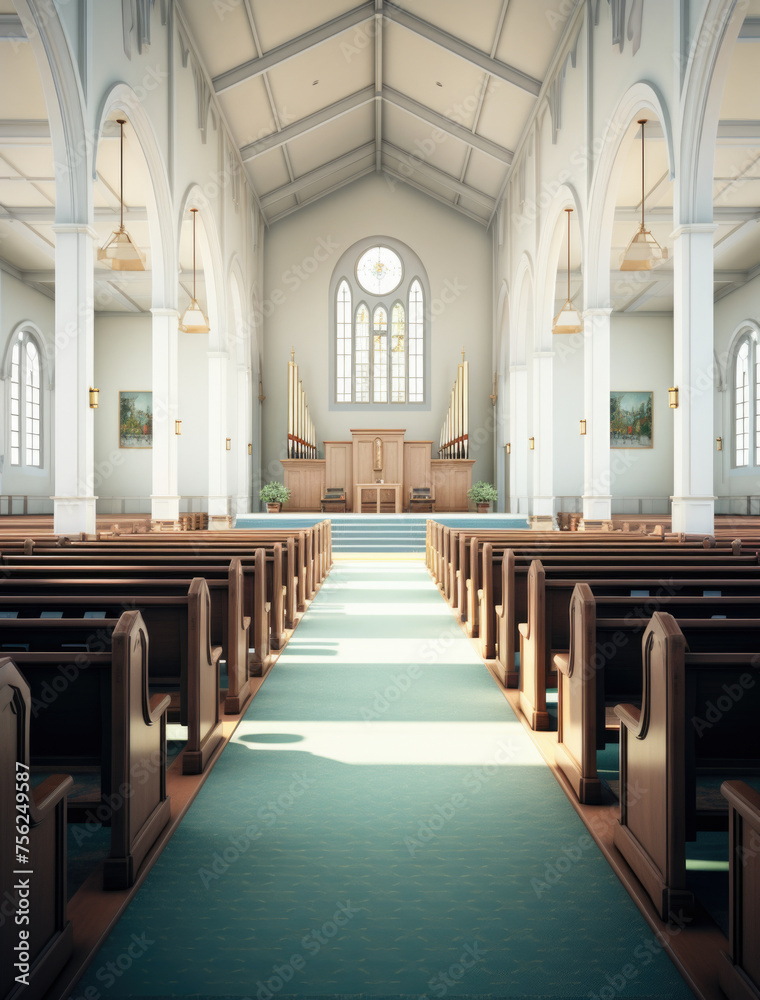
<point>382,825</point>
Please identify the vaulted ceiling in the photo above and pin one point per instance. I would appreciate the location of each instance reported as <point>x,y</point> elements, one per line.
<point>432,93</point>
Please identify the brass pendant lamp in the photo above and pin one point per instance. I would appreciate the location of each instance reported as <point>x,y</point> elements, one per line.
<point>193,320</point>
<point>643,252</point>
<point>120,252</point>
<point>568,319</point>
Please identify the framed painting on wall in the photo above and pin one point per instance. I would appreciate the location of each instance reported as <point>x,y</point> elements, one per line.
<point>631,419</point>
<point>135,419</point>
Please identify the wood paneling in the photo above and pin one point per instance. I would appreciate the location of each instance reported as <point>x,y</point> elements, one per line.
<point>339,467</point>
<point>305,477</point>
<point>452,477</point>
<point>416,467</point>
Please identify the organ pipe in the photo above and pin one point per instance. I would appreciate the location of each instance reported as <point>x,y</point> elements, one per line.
<point>455,431</point>
<point>302,433</point>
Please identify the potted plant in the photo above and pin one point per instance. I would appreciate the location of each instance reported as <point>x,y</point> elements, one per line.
<point>274,494</point>
<point>482,495</point>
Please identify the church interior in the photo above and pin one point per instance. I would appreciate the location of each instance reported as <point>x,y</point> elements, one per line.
<point>379,499</point>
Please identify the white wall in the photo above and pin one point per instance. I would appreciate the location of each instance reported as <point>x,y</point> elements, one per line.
<point>641,358</point>
<point>19,303</point>
<point>457,255</point>
<point>122,363</point>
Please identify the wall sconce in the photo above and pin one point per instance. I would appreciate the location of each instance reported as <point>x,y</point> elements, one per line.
<point>495,394</point>
<point>532,443</point>
<point>94,397</point>
<point>719,444</point>
<point>177,426</point>
<point>250,449</point>
<point>228,443</point>
<point>673,397</point>
<point>509,448</point>
<point>583,426</point>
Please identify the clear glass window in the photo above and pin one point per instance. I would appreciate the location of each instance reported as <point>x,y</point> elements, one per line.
<point>25,403</point>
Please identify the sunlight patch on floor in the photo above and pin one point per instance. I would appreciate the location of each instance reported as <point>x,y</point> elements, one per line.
<point>499,744</point>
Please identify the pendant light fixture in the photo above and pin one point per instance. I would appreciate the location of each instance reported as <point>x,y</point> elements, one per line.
<point>193,320</point>
<point>643,252</point>
<point>120,252</point>
<point>568,319</point>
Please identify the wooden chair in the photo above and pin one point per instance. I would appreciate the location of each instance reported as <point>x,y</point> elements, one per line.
<point>333,500</point>
<point>421,500</point>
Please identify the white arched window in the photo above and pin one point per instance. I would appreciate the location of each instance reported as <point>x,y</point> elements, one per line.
<point>25,402</point>
<point>380,327</point>
<point>746,386</point>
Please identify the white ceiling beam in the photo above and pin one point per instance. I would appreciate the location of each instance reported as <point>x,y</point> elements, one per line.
<point>446,125</point>
<point>283,53</point>
<point>30,235</point>
<point>722,214</point>
<point>318,174</point>
<point>476,57</point>
<point>741,132</point>
<point>742,231</point>
<point>11,28</point>
<point>40,215</point>
<point>433,194</point>
<point>646,294</point>
<point>24,131</point>
<point>750,30</point>
<point>321,194</point>
<point>309,123</point>
<point>109,288</point>
<point>378,84</point>
<point>438,176</point>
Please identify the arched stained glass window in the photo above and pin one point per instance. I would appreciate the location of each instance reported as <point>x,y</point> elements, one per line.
<point>343,372</point>
<point>746,399</point>
<point>741,406</point>
<point>25,402</point>
<point>380,356</point>
<point>380,347</point>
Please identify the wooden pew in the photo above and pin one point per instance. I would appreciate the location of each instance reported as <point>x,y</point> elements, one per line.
<point>470,570</point>
<point>699,710</point>
<point>183,659</point>
<point>739,969</point>
<point>503,599</point>
<point>92,708</point>
<point>47,931</point>
<point>236,602</point>
<point>294,556</point>
<point>550,589</point>
<point>603,667</point>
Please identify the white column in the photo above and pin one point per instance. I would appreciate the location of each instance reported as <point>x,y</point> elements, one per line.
<point>243,437</point>
<point>543,430</point>
<point>164,501</point>
<point>597,499</point>
<point>693,499</point>
<point>74,502</point>
<point>518,429</point>
<point>501,460</point>
<point>217,435</point>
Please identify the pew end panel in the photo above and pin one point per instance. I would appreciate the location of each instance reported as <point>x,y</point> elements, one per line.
<point>578,715</point>
<point>739,969</point>
<point>50,933</point>
<point>239,691</point>
<point>204,734</point>
<point>139,736</point>
<point>505,623</point>
<point>651,831</point>
<point>532,686</point>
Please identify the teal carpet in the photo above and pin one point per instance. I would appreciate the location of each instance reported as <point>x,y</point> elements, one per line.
<point>381,826</point>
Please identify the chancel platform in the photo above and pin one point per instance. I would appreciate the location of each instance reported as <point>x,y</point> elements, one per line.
<point>381,533</point>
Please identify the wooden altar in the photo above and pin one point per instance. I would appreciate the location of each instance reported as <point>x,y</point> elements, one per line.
<point>378,454</point>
